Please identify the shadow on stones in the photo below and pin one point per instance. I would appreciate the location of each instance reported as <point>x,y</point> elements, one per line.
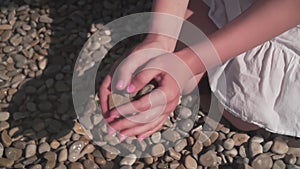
<point>42,106</point>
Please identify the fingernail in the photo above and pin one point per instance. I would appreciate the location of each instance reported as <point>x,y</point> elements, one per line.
<point>122,137</point>
<point>111,130</point>
<point>130,88</point>
<point>120,84</point>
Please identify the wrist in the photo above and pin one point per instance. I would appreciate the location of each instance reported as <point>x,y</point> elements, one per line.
<point>167,43</point>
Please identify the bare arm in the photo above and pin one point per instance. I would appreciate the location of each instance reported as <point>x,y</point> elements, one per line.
<point>264,20</point>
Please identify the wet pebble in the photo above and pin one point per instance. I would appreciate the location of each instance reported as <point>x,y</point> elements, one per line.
<point>158,150</point>
<point>75,150</point>
<point>128,160</point>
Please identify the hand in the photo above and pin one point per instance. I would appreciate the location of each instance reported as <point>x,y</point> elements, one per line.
<point>151,111</point>
<point>128,64</point>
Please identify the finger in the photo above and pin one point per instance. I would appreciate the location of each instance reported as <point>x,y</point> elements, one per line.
<point>153,99</point>
<point>103,93</point>
<point>136,120</point>
<point>138,130</point>
<point>142,79</point>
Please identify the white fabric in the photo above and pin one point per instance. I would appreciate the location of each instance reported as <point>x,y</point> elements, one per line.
<point>263,84</point>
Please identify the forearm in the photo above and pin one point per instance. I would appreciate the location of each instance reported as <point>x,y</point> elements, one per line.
<point>167,24</point>
<point>260,23</point>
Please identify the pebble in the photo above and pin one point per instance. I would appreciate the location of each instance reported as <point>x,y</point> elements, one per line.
<point>4,125</point>
<point>128,160</point>
<point>13,153</point>
<point>6,140</point>
<point>295,151</point>
<point>279,146</point>
<point>36,166</point>
<point>8,49</point>
<point>290,159</point>
<point>16,40</point>
<point>44,147</point>
<point>54,144</point>
<point>63,155</point>
<point>278,164</point>
<point>197,147</point>
<point>45,19</point>
<point>79,129</point>
<point>5,36</point>
<point>255,148</point>
<point>7,163</point>
<point>171,135</point>
<point>51,159</point>
<point>1,150</point>
<point>228,144</point>
<point>110,152</point>
<point>209,159</point>
<point>75,150</point>
<point>257,139</point>
<point>183,112</point>
<point>267,146</point>
<point>156,137</point>
<point>174,154</point>
<point>180,145</point>
<point>262,161</point>
<point>190,162</point>
<point>240,138</point>
<point>76,165</point>
<point>90,164</point>
<point>186,125</point>
<point>5,27</point>
<point>158,150</point>
<point>4,116</point>
<point>30,150</point>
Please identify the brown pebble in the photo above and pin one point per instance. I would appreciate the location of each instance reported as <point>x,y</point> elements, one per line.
<point>240,138</point>
<point>190,162</point>
<point>209,159</point>
<point>279,146</point>
<point>4,162</point>
<point>75,165</point>
<point>6,140</point>
<point>262,161</point>
<point>158,150</point>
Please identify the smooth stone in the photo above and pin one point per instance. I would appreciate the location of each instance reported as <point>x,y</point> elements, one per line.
<point>292,166</point>
<point>180,145</point>
<point>6,139</point>
<point>174,154</point>
<point>110,152</point>
<point>45,19</point>
<point>257,139</point>
<point>4,116</point>
<point>75,150</point>
<point>242,151</point>
<point>295,151</point>
<point>16,40</point>
<point>76,165</point>
<point>54,144</point>
<point>19,144</point>
<point>20,59</point>
<point>19,115</point>
<point>209,159</point>
<point>43,63</point>
<point>279,146</point>
<point>7,163</point>
<point>88,149</point>
<point>1,150</point>
<point>30,160</point>
<point>186,125</point>
<point>278,156</point>
<point>158,150</point>
<point>5,27</point>
<point>255,148</point>
<point>116,100</point>
<point>231,153</point>
<point>190,162</point>
<point>183,112</point>
<point>128,160</point>
<point>290,159</point>
<point>156,137</point>
<point>30,150</point>
<point>5,36</point>
<point>240,138</point>
<point>4,125</point>
<point>63,155</point>
<point>171,135</point>
<point>90,164</point>
<point>267,146</point>
<point>78,129</point>
<point>262,161</point>
<point>44,147</point>
<point>228,144</point>
<point>51,159</point>
<point>8,49</point>
<point>36,166</point>
<point>13,153</point>
<point>197,147</point>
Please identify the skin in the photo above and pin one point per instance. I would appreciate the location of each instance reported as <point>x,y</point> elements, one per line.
<point>260,23</point>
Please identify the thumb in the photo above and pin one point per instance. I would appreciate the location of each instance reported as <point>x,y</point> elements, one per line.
<point>142,79</point>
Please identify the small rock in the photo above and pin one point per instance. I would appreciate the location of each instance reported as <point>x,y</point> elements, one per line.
<point>186,125</point>
<point>183,112</point>
<point>295,151</point>
<point>267,146</point>
<point>240,138</point>
<point>51,159</point>
<point>145,90</point>
<point>4,125</point>
<point>257,139</point>
<point>13,153</point>
<point>90,164</point>
<point>4,116</point>
<point>156,137</point>
<point>54,144</point>
<point>44,147</point>
<point>278,164</point>
<point>290,159</point>
<point>87,150</point>
<point>255,149</point>
<point>190,162</point>
<point>110,152</point>
<point>128,160</point>
<point>209,159</point>
<point>116,100</point>
<point>63,155</point>
<point>262,161</point>
<point>158,150</point>
<point>5,27</point>
<point>6,140</point>
<point>45,106</point>
<point>279,146</point>
<point>228,144</point>
<point>75,150</point>
<point>16,40</point>
<point>174,154</point>
<point>76,165</point>
<point>78,129</point>
<point>7,163</point>
<point>30,150</point>
<point>45,19</point>
<point>43,64</point>
<point>197,147</point>
<point>242,151</point>
<point>180,145</point>
<point>5,35</point>
<point>36,166</point>
<point>231,153</point>
<point>1,150</point>
<point>171,135</point>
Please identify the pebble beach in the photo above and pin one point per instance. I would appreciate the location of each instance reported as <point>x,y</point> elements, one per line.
<point>40,41</point>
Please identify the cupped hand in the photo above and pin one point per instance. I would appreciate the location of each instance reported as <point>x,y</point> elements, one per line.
<point>145,116</point>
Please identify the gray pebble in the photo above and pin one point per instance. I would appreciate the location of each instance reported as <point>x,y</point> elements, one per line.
<point>279,146</point>
<point>4,116</point>
<point>45,19</point>
<point>228,144</point>
<point>183,112</point>
<point>44,147</point>
<point>30,150</point>
<point>1,150</point>
<point>209,159</point>
<point>158,150</point>
<point>128,160</point>
<point>13,153</point>
<point>186,125</point>
<point>180,145</point>
<point>5,35</point>
<point>16,40</point>
<point>262,161</point>
<point>4,162</point>
<point>255,149</point>
<point>171,135</point>
<point>156,137</point>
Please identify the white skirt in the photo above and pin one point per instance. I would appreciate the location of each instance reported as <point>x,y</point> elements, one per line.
<point>263,84</point>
